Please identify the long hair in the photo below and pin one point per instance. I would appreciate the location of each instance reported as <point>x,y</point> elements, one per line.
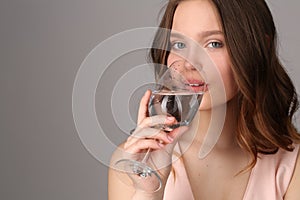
<point>267,99</point>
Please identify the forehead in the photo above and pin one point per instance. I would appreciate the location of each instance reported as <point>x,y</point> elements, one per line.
<point>194,16</point>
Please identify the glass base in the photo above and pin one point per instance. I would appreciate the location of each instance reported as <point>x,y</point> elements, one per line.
<point>143,177</point>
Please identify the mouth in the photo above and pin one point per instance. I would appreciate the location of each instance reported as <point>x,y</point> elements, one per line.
<point>196,85</point>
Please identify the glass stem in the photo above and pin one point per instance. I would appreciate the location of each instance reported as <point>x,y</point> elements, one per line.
<point>146,156</point>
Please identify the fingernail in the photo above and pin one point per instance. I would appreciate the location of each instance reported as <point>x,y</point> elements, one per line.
<point>170,118</point>
<point>161,144</point>
<point>170,138</point>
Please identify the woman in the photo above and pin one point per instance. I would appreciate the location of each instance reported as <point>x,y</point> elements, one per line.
<point>256,156</point>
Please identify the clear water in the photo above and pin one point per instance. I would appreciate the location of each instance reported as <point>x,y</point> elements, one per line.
<point>182,106</point>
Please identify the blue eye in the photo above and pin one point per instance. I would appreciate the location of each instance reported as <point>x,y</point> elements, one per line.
<point>178,45</point>
<point>215,45</point>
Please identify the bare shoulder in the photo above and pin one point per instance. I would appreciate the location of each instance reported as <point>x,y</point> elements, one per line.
<point>119,186</point>
<point>293,192</point>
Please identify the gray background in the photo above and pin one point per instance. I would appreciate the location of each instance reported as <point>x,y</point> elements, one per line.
<point>43,44</point>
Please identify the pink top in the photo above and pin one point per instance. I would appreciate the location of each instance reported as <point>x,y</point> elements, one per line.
<point>269,179</point>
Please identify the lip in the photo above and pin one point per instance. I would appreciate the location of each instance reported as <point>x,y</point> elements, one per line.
<point>196,85</point>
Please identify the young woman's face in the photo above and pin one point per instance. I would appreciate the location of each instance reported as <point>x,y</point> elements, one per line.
<point>199,21</point>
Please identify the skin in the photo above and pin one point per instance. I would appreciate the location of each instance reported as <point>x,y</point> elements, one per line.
<point>226,159</point>
<point>226,151</point>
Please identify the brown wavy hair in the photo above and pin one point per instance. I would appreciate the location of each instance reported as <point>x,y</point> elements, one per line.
<point>267,99</point>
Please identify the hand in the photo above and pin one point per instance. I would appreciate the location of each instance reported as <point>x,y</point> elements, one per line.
<point>160,143</point>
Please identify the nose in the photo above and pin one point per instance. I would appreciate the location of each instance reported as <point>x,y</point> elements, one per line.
<point>188,65</point>
<point>182,65</point>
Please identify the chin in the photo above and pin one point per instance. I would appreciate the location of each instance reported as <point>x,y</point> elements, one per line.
<point>206,105</point>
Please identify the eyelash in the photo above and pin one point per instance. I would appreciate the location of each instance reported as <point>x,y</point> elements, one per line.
<point>211,45</point>
<point>174,44</point>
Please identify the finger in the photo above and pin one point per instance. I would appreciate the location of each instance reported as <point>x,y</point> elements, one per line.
<point>142,145</point>
<point>149,133</point>
<point>157,120</point>
<point>175,135</point>
<point>143,108</point>
<point>140,133</point>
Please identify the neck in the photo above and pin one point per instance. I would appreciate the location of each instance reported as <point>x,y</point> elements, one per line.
<point>217,127</point>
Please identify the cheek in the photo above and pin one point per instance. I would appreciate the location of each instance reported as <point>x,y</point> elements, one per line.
<point>222,89</point>
<point>175,57</point>
<point>225,71</point>
<point>172,58</point>
<point>230,85</point>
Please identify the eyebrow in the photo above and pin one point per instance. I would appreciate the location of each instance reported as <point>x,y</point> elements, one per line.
<point>203,34</point>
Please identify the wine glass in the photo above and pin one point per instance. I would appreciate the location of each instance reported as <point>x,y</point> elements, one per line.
<point>177,95</point>
<point>174,95</point>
